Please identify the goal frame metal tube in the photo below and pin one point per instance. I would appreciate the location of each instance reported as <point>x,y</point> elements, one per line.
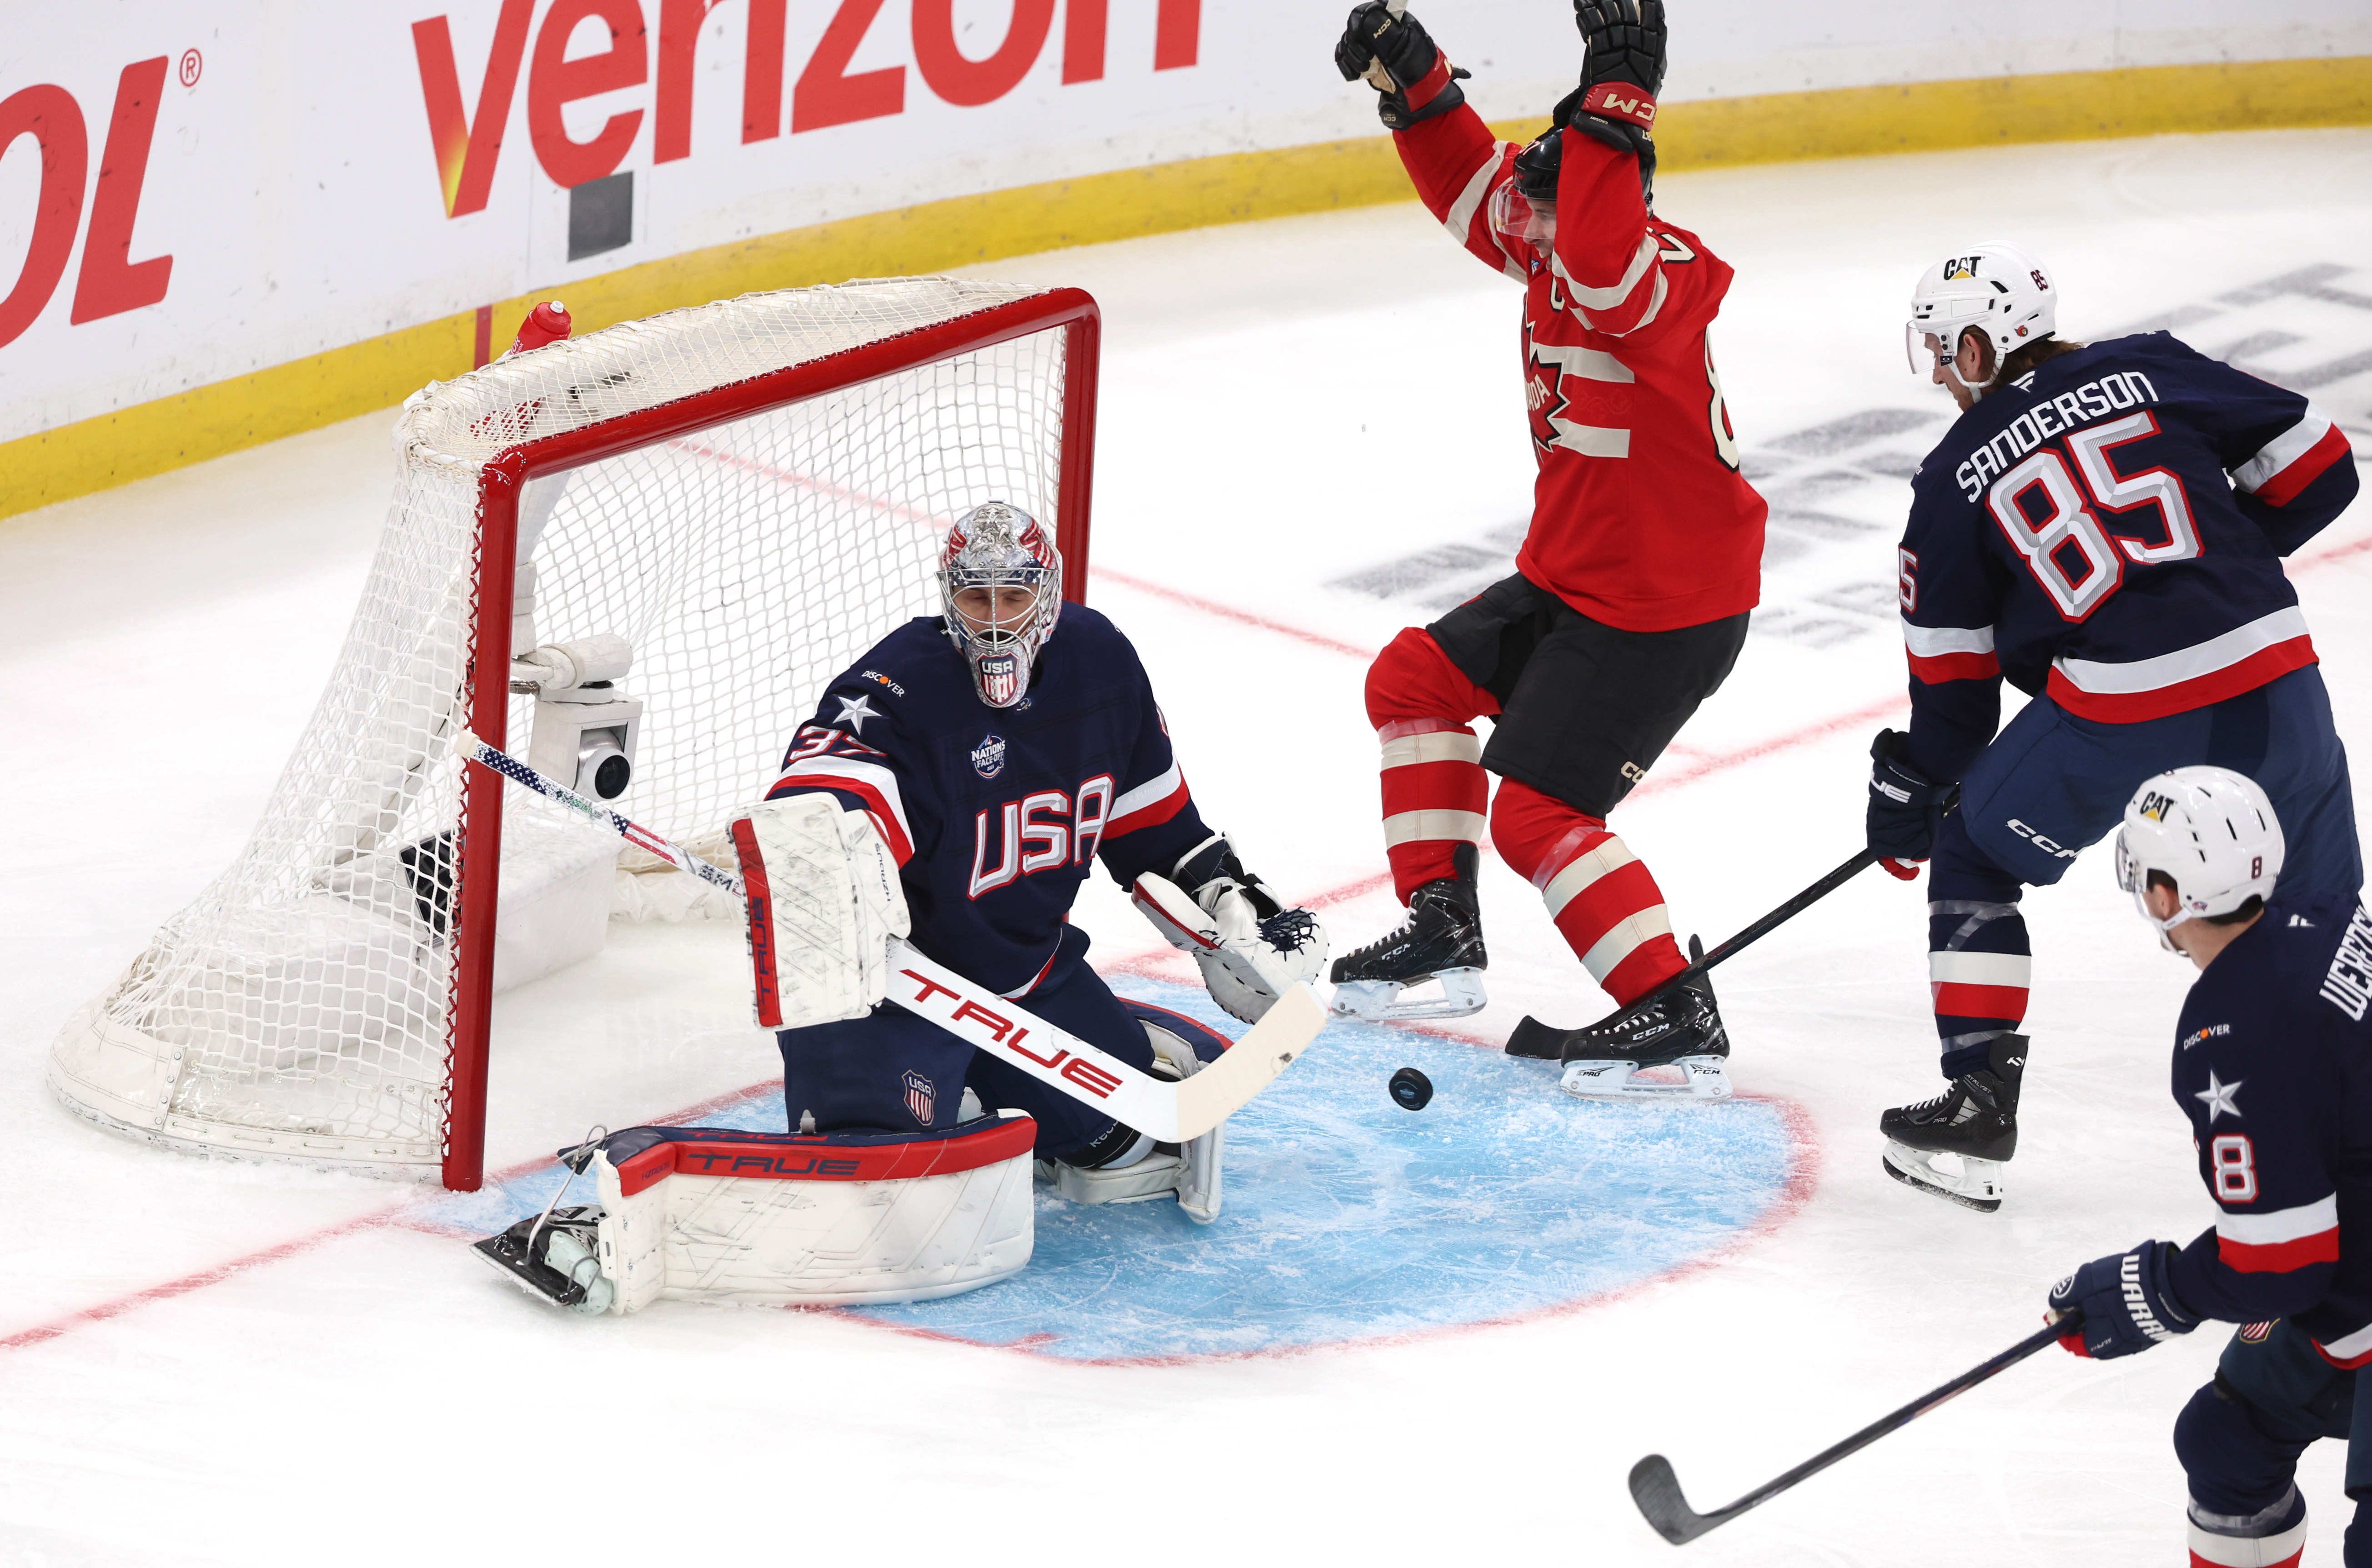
<point>478,847</point>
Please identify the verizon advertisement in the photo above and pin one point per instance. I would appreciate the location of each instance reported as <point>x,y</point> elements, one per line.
<point>194,190</point>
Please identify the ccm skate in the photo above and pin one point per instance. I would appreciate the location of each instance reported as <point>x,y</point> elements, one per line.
<point>1678,1027</point>
<point>1441,942</point>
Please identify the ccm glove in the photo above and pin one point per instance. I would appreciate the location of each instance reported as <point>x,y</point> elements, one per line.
<point>1398,58</point>
<point>1622,71</point>
<point>1906,807</point>
<point>2127,1304</point>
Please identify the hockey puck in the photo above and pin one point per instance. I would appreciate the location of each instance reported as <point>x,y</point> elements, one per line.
<point>1411,1090</point>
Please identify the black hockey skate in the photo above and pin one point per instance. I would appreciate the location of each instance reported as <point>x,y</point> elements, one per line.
<point>1975,1121</point>
<point>1441,941</point>
<point>1678,1027</point>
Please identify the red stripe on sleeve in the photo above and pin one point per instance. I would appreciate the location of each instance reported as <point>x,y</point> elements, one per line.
<point>2279,1256</point>
<point>1935,670</point>
<point>1151,816</point>
<point>2309,466</point>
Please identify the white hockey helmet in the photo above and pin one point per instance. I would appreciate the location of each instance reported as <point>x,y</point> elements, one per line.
<point>1997,289</point>
<point>997,545</point>
<point>2211,831</point>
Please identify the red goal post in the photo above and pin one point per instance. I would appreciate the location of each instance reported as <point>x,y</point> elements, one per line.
<point>751,494</point>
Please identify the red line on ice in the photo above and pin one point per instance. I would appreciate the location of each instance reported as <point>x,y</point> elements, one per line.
<point>1791,1198</point>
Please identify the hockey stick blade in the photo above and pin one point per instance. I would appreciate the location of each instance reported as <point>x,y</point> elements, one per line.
<point>1170,1112</point>
<point>1546,1042</point>
<point>1657,1489</point>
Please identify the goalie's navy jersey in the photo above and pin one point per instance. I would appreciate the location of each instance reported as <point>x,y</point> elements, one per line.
<point>995,814</point>
<point>2108,530</point>
<point>2272,1064</point>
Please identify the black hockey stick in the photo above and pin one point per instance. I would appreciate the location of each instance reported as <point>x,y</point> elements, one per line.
<point>1658,1491</point>
<point>1535,1039</point>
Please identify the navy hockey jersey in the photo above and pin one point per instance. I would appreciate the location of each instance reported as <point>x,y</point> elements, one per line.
<point>997,814</point>
<point>2272,1064</point>
<point>2108,530</point>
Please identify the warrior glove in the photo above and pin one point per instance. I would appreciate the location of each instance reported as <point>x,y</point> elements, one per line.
<point>2127,1301</point>
<point>1397,57</point>
<point>1251,948</point>
<point>1906,807</point>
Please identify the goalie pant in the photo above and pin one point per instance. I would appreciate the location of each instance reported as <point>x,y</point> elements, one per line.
<point>2272,1066</point>
<point>2105,534</point>
<point>995,818</point>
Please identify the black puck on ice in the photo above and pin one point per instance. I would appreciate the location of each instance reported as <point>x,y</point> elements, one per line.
<point>1411,1089</point>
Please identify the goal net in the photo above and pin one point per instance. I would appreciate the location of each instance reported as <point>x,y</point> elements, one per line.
<point>699,518</point>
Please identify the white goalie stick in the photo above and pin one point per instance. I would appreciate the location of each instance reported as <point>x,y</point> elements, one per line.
<point>1170,1112</point>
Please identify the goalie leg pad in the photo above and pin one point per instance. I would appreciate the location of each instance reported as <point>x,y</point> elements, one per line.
<point>696,1214</point>
<point>1192,1170</point>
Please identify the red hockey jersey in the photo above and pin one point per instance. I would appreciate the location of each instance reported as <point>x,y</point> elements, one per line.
<point>1640,516</point>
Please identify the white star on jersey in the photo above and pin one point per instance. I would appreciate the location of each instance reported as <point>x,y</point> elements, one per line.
<point>2218,1097</point>
<point>854,711</point>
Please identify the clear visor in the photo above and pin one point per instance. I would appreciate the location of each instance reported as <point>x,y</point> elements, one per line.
<point>1516,216</point>
<point>2129,871</point>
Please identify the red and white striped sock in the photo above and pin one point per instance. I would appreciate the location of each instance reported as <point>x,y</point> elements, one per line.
<point>1434,796</point>
<point>1602,897</point>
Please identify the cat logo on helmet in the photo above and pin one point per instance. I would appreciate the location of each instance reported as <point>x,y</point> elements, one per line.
<point>1959,267</point>
<point>2154,806</point>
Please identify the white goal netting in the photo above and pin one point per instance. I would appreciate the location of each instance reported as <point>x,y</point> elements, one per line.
<point>305,1005</point>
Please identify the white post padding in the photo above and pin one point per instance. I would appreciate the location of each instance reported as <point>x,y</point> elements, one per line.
<point>795,1221</point>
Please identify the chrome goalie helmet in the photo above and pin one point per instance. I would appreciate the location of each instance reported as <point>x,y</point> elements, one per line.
<point>1998,289</point>
<point>996,545</point>
<point>2211,831</point>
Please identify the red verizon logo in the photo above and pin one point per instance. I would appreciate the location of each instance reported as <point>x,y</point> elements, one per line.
<point>110,282</point>
<point>825,93</point>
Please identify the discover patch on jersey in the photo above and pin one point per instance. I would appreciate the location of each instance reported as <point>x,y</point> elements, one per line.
<point>996,815</point>
<point>2273,1064</point>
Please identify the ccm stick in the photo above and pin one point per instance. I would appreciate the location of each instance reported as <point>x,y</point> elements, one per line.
<point>1658,1491</point>
<point>1171,1112</point>
<point>1532,1038</point>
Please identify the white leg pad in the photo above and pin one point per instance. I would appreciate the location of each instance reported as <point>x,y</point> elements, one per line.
<point>818,1220</point>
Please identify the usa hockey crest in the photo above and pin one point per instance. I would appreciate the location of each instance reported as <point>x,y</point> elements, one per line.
<point>922,1096</point>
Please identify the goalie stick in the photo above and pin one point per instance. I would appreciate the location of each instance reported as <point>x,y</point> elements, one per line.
<point>1658,1491</point>
<point>1532,1038</point>
<point>1169,1112</point>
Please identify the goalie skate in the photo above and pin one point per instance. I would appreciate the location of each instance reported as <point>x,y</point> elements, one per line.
<point>1954,1146</point>
<point>1439,944</point>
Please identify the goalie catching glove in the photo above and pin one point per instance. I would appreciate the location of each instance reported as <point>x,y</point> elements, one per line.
<point>824,902</point>
<point>1251,948</point>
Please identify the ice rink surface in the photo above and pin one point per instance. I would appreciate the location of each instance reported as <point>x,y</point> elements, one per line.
<point>1313,435</point>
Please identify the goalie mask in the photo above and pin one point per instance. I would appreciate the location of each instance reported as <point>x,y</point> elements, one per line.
<point>2211,831</point>
<point>993,550</point>
<point>1998,290</point>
